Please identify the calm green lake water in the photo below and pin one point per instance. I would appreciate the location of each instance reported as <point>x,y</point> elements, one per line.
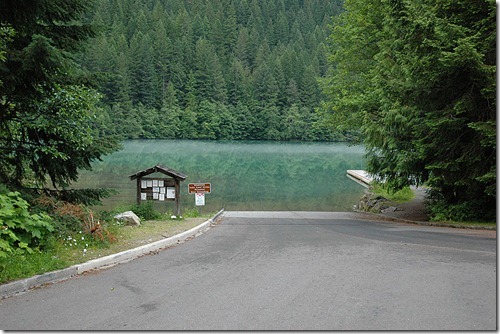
<point>245,175</point>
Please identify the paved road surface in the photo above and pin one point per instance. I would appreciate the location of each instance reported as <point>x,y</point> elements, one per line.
<point>281,271</point>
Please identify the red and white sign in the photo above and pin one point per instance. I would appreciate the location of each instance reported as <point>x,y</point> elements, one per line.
<point>199,199</point>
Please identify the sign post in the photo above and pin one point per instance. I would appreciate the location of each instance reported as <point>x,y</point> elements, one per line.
<point>199,189</point>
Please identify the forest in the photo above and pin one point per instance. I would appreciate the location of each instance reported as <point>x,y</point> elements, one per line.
<point>218,69</point>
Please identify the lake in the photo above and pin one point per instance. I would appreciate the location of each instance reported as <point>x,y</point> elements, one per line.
<point>244,175</point>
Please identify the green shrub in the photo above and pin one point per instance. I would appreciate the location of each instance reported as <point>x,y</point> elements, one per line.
<point>400,196</point>
<point>16,266</point>
<point>461,212</point>
<point>146,211</point>
<point>192,213</point>
<point>20,230</point>
<point>69,218</point>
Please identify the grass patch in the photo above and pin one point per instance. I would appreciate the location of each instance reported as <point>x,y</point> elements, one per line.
<point>26,265</point>
<point>400,196</point>
<point>66,250</point>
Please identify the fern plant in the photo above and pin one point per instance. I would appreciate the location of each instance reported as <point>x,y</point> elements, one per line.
<point>21,231</point>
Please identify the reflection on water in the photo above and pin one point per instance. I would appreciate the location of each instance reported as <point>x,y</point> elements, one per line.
<point>248,175</point>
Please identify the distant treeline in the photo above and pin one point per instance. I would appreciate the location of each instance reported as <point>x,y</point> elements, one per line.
<point>218,69</point>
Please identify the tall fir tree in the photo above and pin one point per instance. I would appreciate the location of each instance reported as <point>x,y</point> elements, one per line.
<point>46,111</point>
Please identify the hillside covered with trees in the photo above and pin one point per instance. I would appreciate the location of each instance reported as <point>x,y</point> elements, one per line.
<point>218,69</point>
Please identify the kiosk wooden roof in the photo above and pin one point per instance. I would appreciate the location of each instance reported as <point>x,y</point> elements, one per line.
<point>159,169</point>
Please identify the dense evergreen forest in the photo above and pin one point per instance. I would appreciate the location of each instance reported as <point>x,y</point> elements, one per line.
<point>217,69</point>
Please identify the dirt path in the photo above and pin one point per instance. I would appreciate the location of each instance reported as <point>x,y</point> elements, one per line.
<point>414,210</point>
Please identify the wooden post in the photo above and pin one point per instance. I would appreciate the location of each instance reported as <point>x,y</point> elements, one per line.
<point>139,191</point>
<point>177,197</point>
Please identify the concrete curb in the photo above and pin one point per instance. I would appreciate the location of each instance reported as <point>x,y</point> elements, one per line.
<point>12,288</point>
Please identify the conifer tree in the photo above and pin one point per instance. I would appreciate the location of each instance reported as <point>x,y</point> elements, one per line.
<point>46,111</point>
<point>142,70</point>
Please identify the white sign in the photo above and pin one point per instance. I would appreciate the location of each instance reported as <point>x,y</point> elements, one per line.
<point>170,192</point>
<point>199,199</point>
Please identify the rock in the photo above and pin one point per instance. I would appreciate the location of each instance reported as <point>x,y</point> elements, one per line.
<point>378,206</point>
<point>129,218</point>
<point>371,202</point>
<point>390,209</point>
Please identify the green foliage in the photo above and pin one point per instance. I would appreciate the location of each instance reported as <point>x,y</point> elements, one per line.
<point>21,230</point>
<point>210,69</point>
<point>70,218</point>
<point>47,109</point>
<point>417,78</point>
<point>56,139</point>
<point>192,213</point>
<point>146,211</point>
<point>80,196</point>
<point>6,35</point>
<point>402,195</point>
<point>464,211</point>
<point>18,266</point>
<point>63,247</point>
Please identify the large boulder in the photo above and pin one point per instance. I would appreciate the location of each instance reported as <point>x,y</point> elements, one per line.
<point>129,218</point>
